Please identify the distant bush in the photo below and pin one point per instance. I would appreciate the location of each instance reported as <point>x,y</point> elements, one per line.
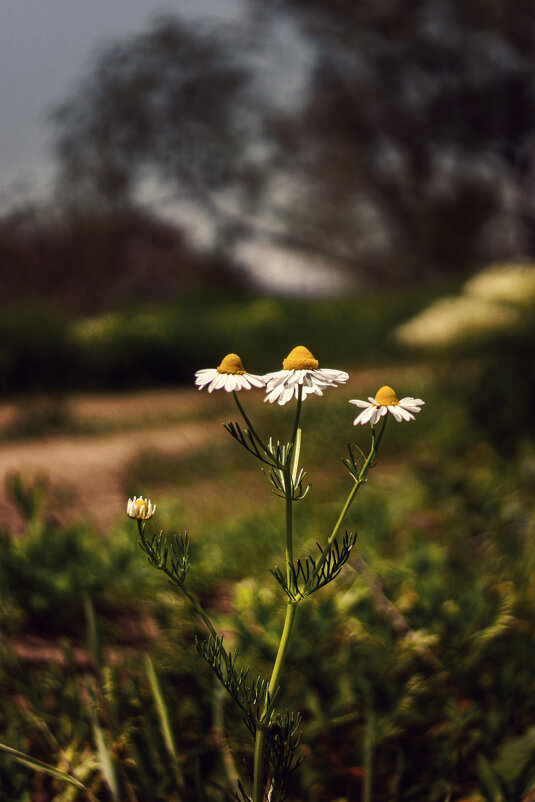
<point>165,343</point>
<point>492,324</point>
<point>36,350</point>
<point>89,259</point>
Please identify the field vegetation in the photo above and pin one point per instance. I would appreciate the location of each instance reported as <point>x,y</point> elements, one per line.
<point>412,671</point>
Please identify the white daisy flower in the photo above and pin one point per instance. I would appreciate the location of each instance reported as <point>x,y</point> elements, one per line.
<point>300,369</point>
<point>140,508</point>
<point>229,376</point>
<point>385,401</point>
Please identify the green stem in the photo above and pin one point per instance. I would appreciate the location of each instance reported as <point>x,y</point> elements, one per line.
<point>259,748</point>
<point>289,527</point>
<point>291,610</point>
<point>360,480</point>
<point>290,473</point>
<point>260,741</point>
<point>297,413</point>
<point>250,426</point>
<point>199,610</point>
<point>296,451</point>
<point>196,606</point>
<point>290,476</point>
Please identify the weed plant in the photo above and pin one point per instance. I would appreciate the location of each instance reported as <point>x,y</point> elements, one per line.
<point>413,670</point>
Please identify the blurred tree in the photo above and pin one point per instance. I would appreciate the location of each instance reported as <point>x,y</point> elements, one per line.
<point>412,154</point>
<point>417,138</point>
<point>170,105</point>
<point>86,260</point>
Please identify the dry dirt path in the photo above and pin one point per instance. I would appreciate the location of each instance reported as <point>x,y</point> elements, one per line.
<point>86,471</point>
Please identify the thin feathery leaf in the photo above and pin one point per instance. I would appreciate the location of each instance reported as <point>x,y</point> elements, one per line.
<point>252,697</point>
<point>304,581</point>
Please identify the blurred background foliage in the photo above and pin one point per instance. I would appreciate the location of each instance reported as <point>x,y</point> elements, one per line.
<point>405,162</point>
<point>399,148</point>
<point>421,649</point>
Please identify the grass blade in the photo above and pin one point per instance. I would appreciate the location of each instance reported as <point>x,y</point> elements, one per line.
<point>105,759</point>
<point>165,725</point>
<point>45,768</point>
<point>93,637</point>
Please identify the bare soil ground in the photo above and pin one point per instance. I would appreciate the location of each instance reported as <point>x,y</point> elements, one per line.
<point>86,463</point>
<point>86,471</point>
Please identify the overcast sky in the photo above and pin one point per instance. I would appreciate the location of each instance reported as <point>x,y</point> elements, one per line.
<point>45,45</point>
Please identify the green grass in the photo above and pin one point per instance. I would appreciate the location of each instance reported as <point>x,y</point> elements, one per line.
<point>415,662</point>
<point>165,343</point>
<point>448,547</point>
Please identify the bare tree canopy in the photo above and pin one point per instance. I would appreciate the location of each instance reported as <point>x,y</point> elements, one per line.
<point>411,155</point>
<point>166,100</point>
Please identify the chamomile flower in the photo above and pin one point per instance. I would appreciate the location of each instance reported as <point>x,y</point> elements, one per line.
<point>229,376</point>
<point>140,508</point>
<point>386,401</point>
<point>300,370</point>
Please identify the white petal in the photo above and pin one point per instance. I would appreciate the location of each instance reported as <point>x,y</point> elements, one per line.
<point>278,376</point>
<point>211,384</point>
<point>359,403</point>
<point>321,377</point>
<point>204,377</point>
<point>295,377</point>
<point>368,415</point>
<point>276,381</point>
<point>220,381</point>
<point>286,395</point>
<point>231,382</point>
<point>413,405</point>
<point>313,381</point>
<point>331,375</point>
<point>395,412</point>
<point>405,414</point>
<point>272,395</point>
<point>413,402</point>
<point>243,383</point>
<point>255,381</point>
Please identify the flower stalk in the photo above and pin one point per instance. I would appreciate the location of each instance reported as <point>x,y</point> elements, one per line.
<point>290,476</point>
<point>360,479</point>
<point>300,378</point>
<point>160,562</point>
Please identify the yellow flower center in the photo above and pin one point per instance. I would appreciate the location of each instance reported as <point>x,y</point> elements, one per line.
<point>142,507</point>
<point>300,359</point>
<point>231,364</point>
<point>386,397</point>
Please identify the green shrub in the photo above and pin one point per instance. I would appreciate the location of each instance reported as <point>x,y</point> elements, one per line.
<point>157,344</point>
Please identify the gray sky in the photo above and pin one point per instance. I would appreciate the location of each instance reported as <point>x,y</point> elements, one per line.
<point>45,45</point>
